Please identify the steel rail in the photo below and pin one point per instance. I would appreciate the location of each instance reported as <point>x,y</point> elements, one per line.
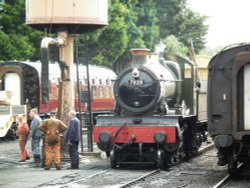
<point>90,176</point>
<point>139,178</point>
<point>224,180</point>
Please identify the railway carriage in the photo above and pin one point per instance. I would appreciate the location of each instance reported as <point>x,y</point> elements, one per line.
<point>229,104</point>
<point>22,80</point>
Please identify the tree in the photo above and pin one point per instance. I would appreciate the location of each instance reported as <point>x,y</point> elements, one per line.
<point>1,9</point>
<point>108,44</point>
<point>17,40</point>
<point>132,23</point>
<point>147,22</point>
<point>193,28</point>
<point>173,45</point>
<point>175,18</point>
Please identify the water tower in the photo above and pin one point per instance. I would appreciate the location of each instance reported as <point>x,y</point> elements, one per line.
<point>66,18</point>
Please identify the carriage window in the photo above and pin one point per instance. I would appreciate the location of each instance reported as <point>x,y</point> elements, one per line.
<point>100,91</point>
<point>13,93</point>
<point>93,91</point>
<point>107,91</point>
<point>80,85</point>
<point>50,89</point>
<point>107,82</point>
<point>85,88</point>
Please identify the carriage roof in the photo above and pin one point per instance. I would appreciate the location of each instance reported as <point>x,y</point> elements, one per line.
<point>95,72</point>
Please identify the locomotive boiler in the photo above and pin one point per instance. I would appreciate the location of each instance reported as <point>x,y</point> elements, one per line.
<point>145,87</point>
<point>154,121</point>
<point>228,104</point>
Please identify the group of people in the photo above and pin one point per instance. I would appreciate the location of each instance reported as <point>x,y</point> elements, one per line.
<point>50,130</point>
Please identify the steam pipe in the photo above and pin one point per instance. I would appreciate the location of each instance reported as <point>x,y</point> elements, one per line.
<point>46,42</point>
<point>50,41</point>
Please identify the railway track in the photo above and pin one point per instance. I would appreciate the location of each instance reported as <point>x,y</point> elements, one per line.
<point>235,181</point>
<point>201,171</point>
<point>82,179</point>
<point>94,172</point>
<point>101,175</point>
<point>105,178</point>
<point>130,183</point>
<point>222,182</point>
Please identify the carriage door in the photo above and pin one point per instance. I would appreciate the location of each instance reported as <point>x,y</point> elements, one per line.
<point>246,97</point>
<point>12,83</point>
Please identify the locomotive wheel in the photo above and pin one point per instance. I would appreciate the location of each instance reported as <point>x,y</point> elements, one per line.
<point>232,165</point>
<point>108,153</point>
<point>161,159</point>
<point>112,158</point>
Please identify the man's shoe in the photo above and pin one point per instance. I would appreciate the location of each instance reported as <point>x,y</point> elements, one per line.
<point>21,161</point>
<point>58,168</point>
<point>37,164</point>
<point>27,158</point>
<point>47,168</point>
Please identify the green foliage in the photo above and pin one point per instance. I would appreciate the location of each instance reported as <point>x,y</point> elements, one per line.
<point>108,44</point>
<point>1,9</point>
<point>175,18</point>
<point>173,45</point>
<point>147,22</point>
<point>132,24</point>
<point>18,41</point>
<point>15,47</point>
<point>211,51</point>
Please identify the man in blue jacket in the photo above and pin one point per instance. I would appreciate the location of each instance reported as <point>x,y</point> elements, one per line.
<point>72,137</point>
<point>36,135</point>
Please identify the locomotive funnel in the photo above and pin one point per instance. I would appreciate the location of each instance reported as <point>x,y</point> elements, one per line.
<point>139,55</point>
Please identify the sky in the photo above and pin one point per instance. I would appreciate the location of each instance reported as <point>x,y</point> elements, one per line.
<point>228,20</point>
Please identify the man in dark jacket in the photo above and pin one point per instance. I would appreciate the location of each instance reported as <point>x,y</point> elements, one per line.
<point>72,137</point>
<point>52,128</point>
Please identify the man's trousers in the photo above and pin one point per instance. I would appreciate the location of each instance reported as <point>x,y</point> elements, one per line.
<point>24,152</point>
<point>73,153</point>
<point>49,150</point>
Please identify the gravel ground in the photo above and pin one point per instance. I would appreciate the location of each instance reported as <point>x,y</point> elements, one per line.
<point>200,172</point>
<point>24,175</point>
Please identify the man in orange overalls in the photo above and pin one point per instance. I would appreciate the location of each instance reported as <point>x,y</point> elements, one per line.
<point>23,134</point>
<point>52,128</point>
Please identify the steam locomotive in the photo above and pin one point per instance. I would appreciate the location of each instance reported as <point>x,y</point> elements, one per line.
<point>21,81</point>
<point>155,119</point>
<point>228,104</point>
